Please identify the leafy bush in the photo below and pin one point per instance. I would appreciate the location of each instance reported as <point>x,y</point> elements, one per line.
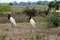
<point>53,4</point>
<point>5,7</point>
<point>2,35</point>
<point>47,11</point>
<point>43,12</point>
<point>52,20</point>
<point>30,12</point>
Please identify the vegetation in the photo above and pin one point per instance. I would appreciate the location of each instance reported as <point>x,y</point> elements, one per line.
<point>40,10</point>
<point>54,4</point>
<point>34,37</point>
<point>30,12</point>
<point>2,35</point>
<point>40,13</point>
<point>4,8</point>
<point>53,20</point>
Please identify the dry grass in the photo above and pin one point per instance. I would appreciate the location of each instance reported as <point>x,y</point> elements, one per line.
<point>18,32</point>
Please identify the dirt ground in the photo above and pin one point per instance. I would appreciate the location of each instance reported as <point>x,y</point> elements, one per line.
<point>17,32</point>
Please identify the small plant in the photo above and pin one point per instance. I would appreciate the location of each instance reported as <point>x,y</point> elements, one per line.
<point>2,35</point>
<point>31,37</point>
<point>39,36</point>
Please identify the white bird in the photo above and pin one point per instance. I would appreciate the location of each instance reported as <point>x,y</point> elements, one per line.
<point>32,22</point>
<point>12,20</point>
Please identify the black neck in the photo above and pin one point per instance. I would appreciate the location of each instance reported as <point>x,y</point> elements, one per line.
<point>9,15</point>
<point>29,17</point>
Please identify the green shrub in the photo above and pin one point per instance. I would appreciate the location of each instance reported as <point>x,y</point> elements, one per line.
<point>30,12</point>
<point>53,4</point>
<point>52,19</point>
<point>43,12</point>
<point>5,7</point>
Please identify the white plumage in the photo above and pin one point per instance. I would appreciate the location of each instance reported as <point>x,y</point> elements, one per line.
<point>12,20</point>
<point>32,22</point>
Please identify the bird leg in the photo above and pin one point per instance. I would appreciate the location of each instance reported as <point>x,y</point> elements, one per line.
<point>12,25</point>
<point>32,30</point>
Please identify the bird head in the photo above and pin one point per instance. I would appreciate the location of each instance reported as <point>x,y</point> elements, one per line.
<point>9,15</point>
<point>29,17</point>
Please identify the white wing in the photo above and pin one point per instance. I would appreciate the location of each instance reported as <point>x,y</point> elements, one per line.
<point>12,20</point>
<point>32,23</point>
